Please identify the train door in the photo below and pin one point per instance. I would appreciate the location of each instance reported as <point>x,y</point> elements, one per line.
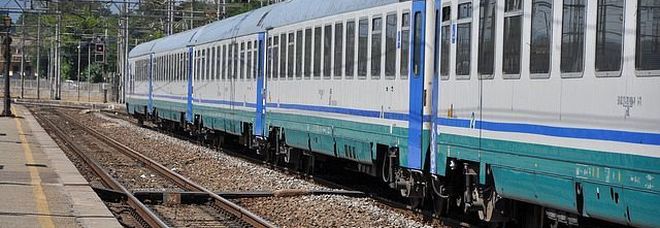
<point>261,88</point>
<point>189,102</point>
<point>417,93</point>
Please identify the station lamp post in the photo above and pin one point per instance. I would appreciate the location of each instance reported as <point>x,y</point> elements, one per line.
<point>7,54</point>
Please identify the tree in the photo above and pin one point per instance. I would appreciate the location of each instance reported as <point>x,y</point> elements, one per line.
<point>96,72</point>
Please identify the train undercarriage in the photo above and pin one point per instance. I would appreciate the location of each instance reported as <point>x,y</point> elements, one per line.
<point>458,193</point>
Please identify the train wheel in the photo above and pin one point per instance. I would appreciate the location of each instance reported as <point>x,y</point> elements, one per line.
<point>416,202</point>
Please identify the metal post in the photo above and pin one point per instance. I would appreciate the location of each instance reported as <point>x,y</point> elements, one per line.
<point>192,8</point>
<point>89,72</point>
<point>23,56</point>
<point>78,88</point>
<point>58,57</point>
<point>50,70</point>
<point>38,56</point>
<point>224,9</point>
<point>6,42</point>
<point>126,44</point>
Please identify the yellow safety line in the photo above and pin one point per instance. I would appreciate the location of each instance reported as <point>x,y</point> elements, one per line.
<point>38,191</point>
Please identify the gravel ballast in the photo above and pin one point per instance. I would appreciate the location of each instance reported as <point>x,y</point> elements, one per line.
<point>221,172</point>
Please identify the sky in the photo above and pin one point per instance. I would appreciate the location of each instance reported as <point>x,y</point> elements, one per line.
<point>9,5</point>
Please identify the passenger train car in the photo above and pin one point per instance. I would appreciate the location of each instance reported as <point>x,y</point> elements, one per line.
<point>539,112</point>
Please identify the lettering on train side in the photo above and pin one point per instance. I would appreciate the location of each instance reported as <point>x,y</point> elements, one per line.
<point>628,102</point>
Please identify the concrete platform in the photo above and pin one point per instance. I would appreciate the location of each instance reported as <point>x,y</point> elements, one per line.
<point>39,186</point>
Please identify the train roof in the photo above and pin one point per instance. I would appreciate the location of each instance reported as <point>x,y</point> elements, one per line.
<point>255,21</point>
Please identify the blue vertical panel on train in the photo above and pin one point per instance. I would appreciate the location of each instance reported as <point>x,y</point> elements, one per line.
<point>189,110</point>
<point>150,95</point>
<point>258,129</point>
<point>416,98</point>
<point>436,87</point>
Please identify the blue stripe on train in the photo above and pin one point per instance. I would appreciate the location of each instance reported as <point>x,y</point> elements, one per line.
<point>566,132</point>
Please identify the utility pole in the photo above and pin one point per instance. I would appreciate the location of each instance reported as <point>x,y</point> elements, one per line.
<point>23,15</point>
<point>6,42</point>
<point>192,8</point>
<point>89,72</point>
<point>224,9</point>
<point>126,39</point>
<point>58,71</point>
<point>50,70</point>
<point>78,88</point>
<point>38,55</point>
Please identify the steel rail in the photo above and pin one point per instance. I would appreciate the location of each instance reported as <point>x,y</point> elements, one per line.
<point>148,217</point>
<point>183,182</point>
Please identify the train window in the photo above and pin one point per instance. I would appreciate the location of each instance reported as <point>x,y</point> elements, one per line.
<point>390,46</point>
<point>177,61</point>
<point>230,54</point>
<point>327,51</point>
<point>648,33</point>
<point>209,62</point>
<point>248,68</point>
<point>363,36</point>
<point>236,61</point>
<point>255,60</point>
<point>512,37</point>
<point>291,53</point>
<point>350,49</point>
<point>464,39</point>
<point>283,47</point>
<point>174,63</point>
<point>465,10</point>
<point>163,69</point>
<point>218,63</point>
<point>405,45</point>
<point>541,37</point>
<point>339,34</point>
<point>269,57</point>
<point>198,66</point>
<point>317,52</point>
<point>572,36</point>
<point>212,65</point>
<point>417,44</point>
<point>224,61</point>
<point>176,67</point>
<point>182,65</point>
<point>376,41</point>
<point>242,61</point>
<point>276,57</point>
<point>205,64</point>
<point>308,53</point>
<point>445,41</point>
<point>609,35</point>
<point>486,36</point>
<point>299,53</point>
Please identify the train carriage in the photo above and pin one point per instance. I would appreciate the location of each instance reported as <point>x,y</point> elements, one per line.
<point>537,112</point>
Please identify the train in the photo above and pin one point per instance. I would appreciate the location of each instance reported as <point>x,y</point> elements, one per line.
<point>537,112</point>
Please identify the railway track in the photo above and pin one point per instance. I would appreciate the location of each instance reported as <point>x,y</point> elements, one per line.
<point>217,212</point>
<point>320,179</point>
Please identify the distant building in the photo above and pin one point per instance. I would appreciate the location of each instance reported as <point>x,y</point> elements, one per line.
<point>15,68</point>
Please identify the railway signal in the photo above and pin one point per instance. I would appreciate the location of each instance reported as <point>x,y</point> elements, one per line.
<point>99,50</point>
